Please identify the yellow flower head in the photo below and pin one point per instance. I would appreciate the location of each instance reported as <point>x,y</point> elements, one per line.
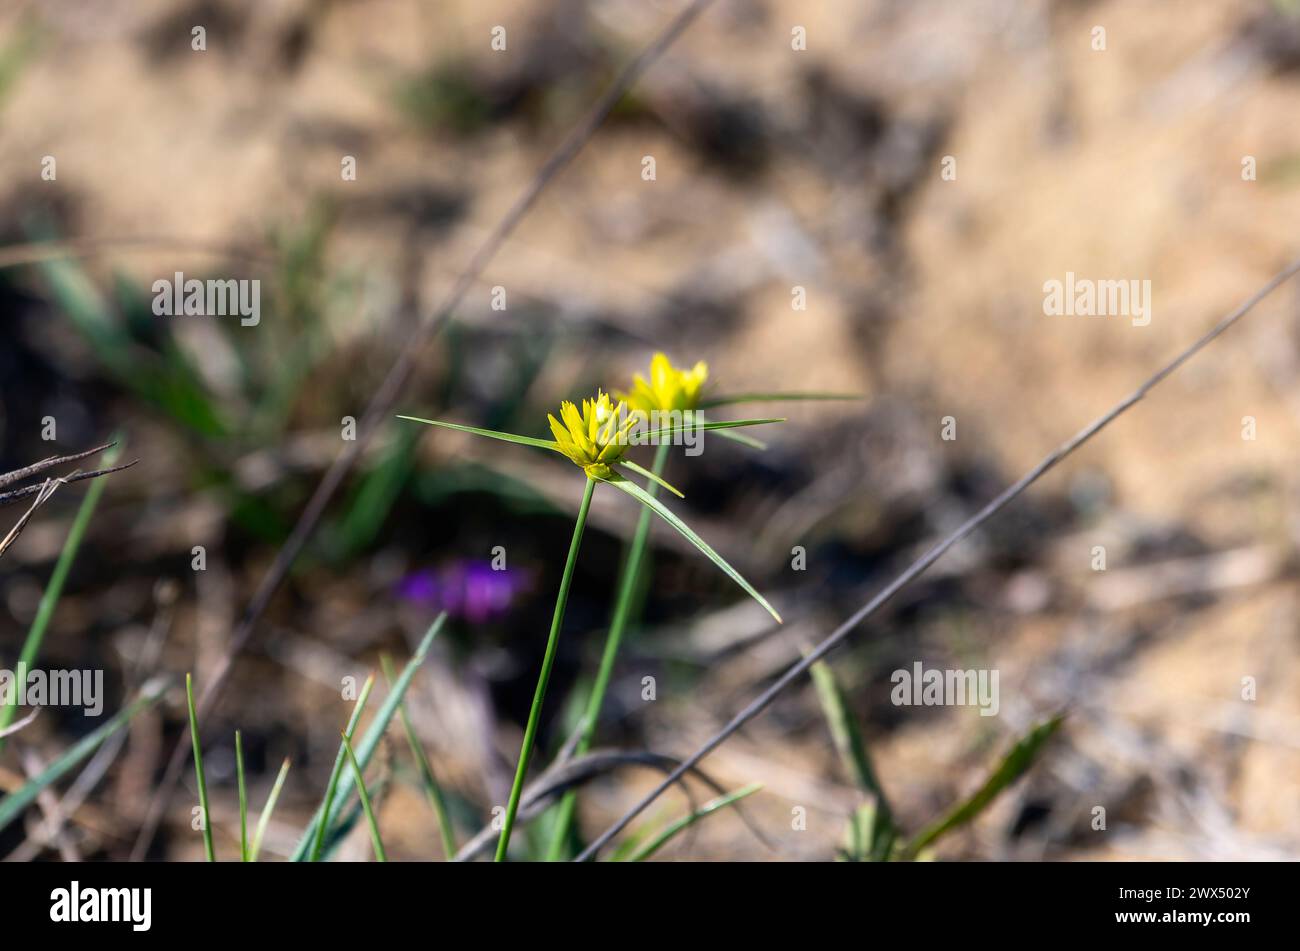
<point>668,387</point>
<point>596,437</point>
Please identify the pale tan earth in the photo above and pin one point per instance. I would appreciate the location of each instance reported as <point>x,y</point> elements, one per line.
<point>1124,163</point>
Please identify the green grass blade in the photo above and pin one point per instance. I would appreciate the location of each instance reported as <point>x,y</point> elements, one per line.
<point>375,840</point>
<point>633,840</point>
<point>651,476</point>
<point>1014,765</point>
<point>265,818</point>
<point>243,797</point>
<point>167,380</point>
<point>327,813</point>
<point>852,749</point>
<point>490,433</point>
<point>432,788</point>
<point>688,820</point>
<point>54,590</point>
<point>198,770</point>
<point>640,494</point>
<point>13,805</point>
<point>844,730</point>
<point>318,826</point>
<point>777,398</point>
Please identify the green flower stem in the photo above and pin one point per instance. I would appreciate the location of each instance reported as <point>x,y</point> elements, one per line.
<point>548,661</point>
<point>627,584</point>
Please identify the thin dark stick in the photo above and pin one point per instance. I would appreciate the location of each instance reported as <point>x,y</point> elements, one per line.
<point>15,494</point>
<point>382,403</point>
<point>47,489</point>
<point>841,633</point>
<point>18,475</point>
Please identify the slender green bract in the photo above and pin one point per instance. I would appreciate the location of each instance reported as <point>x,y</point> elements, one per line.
<point>613,640</point>
<point>53,590</point>
<point>12,806</point>
<point>650,502</point>
<point>638,437</point>
<point>548,660</point>
<point>378,844</point>
<point>198,770</point>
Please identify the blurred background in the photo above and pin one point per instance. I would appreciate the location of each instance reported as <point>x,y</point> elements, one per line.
<point>775,168</point>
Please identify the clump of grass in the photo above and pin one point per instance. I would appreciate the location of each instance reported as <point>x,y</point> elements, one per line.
<point>873,833</point>
<point>331,790</point>
<point>321,834</point>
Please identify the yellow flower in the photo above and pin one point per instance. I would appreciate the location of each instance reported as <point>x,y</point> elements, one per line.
<point>668,388</point>
<point>596,437</point>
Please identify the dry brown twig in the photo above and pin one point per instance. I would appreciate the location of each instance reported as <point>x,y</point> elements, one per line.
<point>47,487</point>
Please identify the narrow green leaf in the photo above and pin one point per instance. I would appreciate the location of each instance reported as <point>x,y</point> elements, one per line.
<point>12,806</point>
<point>686,821</point>
<point>198,770</point>
<point>640,494</point>
<point>243,797</point>
<point>432,788</point>
<point>777,398</point>
<point>651,476</point>
<point>328,814</point>
<point>632,841</point>
<point>844,729</point>
<point>265,818</point>
<point>1014,765</point>
<point>490,433</point>
<point>380,854</point>
<point>319,825</point>
<point>857,761</point>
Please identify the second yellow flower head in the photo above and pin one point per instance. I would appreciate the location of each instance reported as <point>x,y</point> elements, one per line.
<point>668,387</point>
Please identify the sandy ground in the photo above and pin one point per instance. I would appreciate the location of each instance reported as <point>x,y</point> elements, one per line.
<point>924,293</point>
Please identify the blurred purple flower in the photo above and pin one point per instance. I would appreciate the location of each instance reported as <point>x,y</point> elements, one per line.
<point>468,589</point>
